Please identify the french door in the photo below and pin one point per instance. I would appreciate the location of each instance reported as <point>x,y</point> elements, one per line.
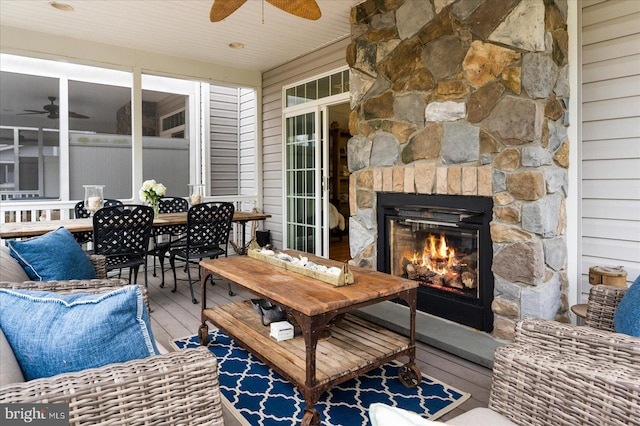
<point>305,155</point>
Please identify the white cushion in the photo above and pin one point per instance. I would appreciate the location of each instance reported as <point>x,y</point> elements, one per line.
<point>10,371</point>
<point>385,415</point>
<point>10,269</point>
<point>480,416</point>
<point>161,349</point>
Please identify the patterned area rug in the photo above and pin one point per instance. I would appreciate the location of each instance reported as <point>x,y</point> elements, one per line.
<point>263,398</point>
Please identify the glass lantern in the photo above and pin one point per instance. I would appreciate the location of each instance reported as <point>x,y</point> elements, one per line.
<point>196,193</point>
<point>93,198</point>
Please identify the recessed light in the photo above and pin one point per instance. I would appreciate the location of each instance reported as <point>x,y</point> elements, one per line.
<point>61,6</point>
<point>236,45</point>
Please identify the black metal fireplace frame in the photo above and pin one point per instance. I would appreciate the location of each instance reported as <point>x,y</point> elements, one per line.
<point>473,313</point>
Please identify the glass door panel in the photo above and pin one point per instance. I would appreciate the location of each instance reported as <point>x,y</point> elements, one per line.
<point>302,183</point>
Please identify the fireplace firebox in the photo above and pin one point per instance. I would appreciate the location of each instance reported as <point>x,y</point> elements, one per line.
<point>444,243</point>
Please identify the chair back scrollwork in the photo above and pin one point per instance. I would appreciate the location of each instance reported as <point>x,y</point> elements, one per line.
<point>172,205</point>
<point>80,213</point>
<point>121,233</point>
<point>208,229</point>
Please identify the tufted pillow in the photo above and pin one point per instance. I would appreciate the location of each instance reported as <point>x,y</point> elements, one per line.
<point>54,333</point>
<point>53,256</point>
<point>627,317</point>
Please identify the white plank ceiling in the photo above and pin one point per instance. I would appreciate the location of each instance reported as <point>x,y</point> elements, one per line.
<point>182,28</point>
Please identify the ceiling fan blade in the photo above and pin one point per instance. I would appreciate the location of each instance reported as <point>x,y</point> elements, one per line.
<point>31,111</point>
<point>307,9</point>
<point>220,9</point>
<point>76,115</point>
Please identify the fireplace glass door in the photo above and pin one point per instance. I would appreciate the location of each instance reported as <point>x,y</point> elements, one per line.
<point>444,243</point>
<point>441,257</point>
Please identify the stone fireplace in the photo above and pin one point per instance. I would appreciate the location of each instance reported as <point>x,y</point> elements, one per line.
<point>467,98</point>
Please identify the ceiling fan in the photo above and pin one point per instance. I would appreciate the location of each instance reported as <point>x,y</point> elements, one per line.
<point>53,110</point>
<point>307,9</point>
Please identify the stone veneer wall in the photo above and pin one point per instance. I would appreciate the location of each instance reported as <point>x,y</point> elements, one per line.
<point>468,97</point>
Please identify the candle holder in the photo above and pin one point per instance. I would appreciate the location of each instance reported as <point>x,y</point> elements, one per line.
<point>196,193</point>
<point>93,198</point>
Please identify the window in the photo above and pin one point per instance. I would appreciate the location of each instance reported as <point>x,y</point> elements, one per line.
<point>168,134</point>
<point>29,147</point>
<point>323,87</point>
<point>100,139</point>
<point>53,112</point>
<point>172,124</point>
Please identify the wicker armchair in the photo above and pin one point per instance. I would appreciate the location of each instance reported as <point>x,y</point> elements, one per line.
<point>176,388</point>
<point>563,374</point>
<point>560,374</point>
<point>602,305</point>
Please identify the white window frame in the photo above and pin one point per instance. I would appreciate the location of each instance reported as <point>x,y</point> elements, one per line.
<point>170,131</point>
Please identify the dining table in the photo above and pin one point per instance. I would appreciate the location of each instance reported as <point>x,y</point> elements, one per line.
<point>14,230</point>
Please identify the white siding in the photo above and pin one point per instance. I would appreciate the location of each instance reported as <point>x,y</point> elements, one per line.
<point>248,184</point>
<point>233,141</point>
<point>225,140</point>
<point>322,61</point>
<point>610,149</point>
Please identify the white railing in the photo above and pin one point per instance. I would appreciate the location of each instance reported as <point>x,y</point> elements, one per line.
<point>10,195</point>
<point>25,210</point>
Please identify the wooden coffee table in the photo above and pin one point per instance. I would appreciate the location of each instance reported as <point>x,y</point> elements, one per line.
<point>311,361</point>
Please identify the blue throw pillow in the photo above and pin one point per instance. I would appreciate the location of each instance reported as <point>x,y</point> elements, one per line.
<point>54,333</point>
<point>52,256</point>
<point>627,317</point>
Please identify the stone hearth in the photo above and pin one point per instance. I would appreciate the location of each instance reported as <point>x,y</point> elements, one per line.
<point>468,97</point>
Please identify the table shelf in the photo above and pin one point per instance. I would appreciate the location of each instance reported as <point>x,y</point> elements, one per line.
<point>355,344</point>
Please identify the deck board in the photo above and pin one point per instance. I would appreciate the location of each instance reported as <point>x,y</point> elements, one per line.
<point>174,316</point>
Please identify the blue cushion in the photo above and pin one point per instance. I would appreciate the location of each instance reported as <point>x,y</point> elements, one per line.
<point>627,317</point>
<point>53,333</point>
<point>52,256</point>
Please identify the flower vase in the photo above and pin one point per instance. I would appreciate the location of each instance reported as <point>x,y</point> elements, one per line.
<point>156,209</point>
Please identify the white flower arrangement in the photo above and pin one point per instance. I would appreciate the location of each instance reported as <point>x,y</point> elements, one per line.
<point>152,191</point>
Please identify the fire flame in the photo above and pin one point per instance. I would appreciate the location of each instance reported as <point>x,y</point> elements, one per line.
<point>436,255</point>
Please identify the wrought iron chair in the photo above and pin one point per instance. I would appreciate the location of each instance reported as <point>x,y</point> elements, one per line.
<point>121,233</point>
<point>80,212</point>
<point>170,234</point>
<point>208,228</point>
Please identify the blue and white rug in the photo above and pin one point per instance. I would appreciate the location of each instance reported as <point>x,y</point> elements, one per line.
<point>263,398</point>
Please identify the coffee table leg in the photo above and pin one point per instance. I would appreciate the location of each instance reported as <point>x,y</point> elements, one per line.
<point>311,328</point>
<point>311,417</point>
<point>203,334</point>
<point>203,331</point>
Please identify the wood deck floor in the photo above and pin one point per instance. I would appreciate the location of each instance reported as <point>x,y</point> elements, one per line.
<point>174,316</point>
